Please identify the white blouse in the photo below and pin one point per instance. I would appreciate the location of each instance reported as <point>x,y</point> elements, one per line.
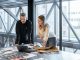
<point>44,33</point>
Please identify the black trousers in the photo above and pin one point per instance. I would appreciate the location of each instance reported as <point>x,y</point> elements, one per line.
<point>24,41</point>
<point>51,42</point>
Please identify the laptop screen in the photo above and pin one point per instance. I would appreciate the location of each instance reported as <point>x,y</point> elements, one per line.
<point>51,42</point>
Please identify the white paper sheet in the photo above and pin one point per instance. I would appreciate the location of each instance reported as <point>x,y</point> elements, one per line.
<point>40,59</point>
<point>29,55</point>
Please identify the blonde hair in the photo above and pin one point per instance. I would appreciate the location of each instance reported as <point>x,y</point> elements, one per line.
<point>41,17</point>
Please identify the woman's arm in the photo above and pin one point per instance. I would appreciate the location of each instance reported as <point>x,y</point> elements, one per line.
<point>45,36</point>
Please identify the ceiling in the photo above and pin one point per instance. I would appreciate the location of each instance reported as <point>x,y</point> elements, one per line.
<point>17,3</point>
<point>12,3</point>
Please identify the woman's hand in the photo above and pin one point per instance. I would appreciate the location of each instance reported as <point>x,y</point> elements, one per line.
<point>41,37</point>
<point>44,43</point>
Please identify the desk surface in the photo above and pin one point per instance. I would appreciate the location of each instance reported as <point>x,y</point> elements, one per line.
<point>9,53</point>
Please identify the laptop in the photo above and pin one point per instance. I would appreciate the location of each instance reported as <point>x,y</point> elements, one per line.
<point>51,42</point>
<point>25,48</point>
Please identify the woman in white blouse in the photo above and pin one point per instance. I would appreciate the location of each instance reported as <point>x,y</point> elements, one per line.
<point>42,30</point>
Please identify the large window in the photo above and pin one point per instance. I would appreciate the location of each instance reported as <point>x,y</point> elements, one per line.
<point>71,10</point>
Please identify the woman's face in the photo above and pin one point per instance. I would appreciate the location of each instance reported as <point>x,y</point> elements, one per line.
<point>40,22</point>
